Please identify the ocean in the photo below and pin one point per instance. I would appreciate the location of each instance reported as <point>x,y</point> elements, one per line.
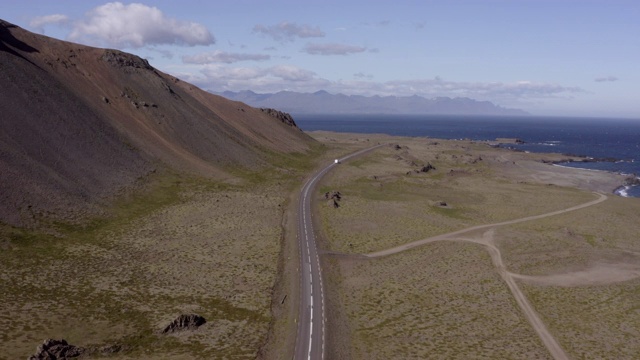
<point>613,144</point>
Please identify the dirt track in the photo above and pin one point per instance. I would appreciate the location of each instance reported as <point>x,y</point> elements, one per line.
<point>616,272</point>
<point>448,236</point>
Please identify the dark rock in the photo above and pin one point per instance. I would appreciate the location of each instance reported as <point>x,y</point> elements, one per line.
<point>184,322</point>
<point>111,349</point>
<point>397,147</point>
<point>333,195</point>
<point>282,116</point>
<point>427,168</point>
<point>52,349</point>
<point>124,60</point>
<point>632,180</point>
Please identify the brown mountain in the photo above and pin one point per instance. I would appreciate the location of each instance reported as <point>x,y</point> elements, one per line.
<point>79,124</point>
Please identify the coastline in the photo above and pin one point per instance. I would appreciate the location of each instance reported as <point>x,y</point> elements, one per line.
<point>630,182</point>
<point>597,145</point>
<point>513,164</point>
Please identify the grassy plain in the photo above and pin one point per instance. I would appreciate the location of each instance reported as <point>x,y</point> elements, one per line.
<point>186,245</point>
<point>583,276</point>
<point>228,253</point>
<point>446,300</point>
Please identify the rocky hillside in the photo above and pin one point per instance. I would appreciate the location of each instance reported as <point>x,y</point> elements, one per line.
<point>79,124</point>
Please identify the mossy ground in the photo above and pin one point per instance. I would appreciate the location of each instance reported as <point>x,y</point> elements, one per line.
<point>185,245</point>
<point>445,299</point>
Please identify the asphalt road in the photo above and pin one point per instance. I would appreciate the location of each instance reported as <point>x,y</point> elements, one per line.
<point>310,341</point>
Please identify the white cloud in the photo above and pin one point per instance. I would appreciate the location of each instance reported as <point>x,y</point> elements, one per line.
<point>277,78</point>
<point>292,73</point>
<point>38,23</point>
<point>137,25</point>
<point>332,49</point>
<point>232,74</point>
<point>271,79</point>
<point>163,53</point>
<point>361,75</point>
<point>219,56</point>
<point>606,79</point>
<point>286,31</point>
<point>493,91</point>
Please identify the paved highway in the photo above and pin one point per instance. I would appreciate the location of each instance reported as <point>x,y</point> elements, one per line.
<point>310,342</point>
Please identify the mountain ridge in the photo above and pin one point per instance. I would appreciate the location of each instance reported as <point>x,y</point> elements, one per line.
<point>322,101</point>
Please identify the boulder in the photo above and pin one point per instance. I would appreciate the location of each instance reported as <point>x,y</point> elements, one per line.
<point>632,180</point>
<point>333,195</point>
<point>335,204</point>
<point>52,349</point>
<point>184,322</point>
<point>427,168</point>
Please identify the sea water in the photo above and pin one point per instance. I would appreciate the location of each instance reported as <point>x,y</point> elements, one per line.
<point>613,144</point>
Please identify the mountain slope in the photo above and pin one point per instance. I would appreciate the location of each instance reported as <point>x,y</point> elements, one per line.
<point>78,124</point>
<point>322,102</point>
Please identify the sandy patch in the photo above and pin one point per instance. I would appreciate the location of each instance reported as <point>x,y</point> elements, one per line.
<point>600,274</point>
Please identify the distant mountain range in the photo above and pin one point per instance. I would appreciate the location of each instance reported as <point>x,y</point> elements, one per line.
<point>322,102</point>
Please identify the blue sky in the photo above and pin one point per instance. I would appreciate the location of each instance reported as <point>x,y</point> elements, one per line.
<point>562,57</point>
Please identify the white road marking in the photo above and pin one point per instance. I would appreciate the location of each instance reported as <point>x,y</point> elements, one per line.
<point>306,225</point>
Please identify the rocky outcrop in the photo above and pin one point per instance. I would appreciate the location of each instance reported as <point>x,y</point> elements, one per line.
<point>333,195</point>
<point>56,349</point>
<point>424,169</point>
<point>124,60</point>
<point>632,180</point>
<point>334,198</point>
<point>282,116</point>
<point>184,322</point>
<point>427,168</point>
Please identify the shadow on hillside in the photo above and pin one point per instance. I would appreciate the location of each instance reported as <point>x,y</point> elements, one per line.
<point>8,42</point>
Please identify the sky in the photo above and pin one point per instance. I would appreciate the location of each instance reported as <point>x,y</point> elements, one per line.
<point>548,57</point>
